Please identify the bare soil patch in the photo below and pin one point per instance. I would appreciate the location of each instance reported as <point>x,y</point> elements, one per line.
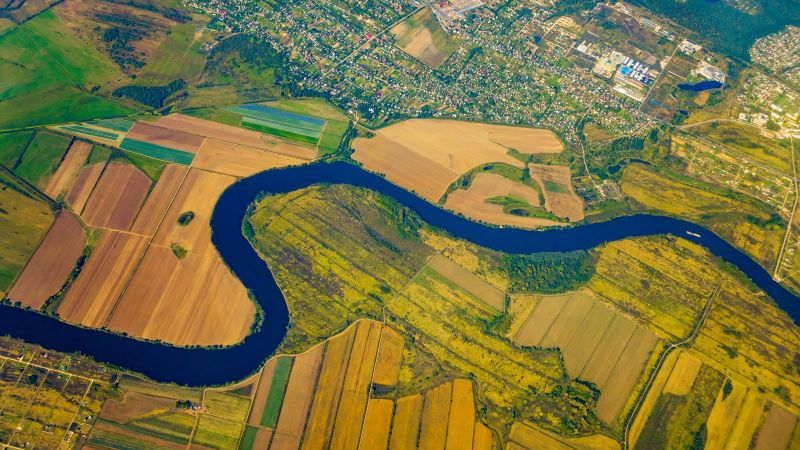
<point>178,140</point>
<point>50,266</point>
<point>559,197</point>
<point>473,203</point>
<point>92,296</point>
<point>82,187</point>
<point>468,281</point>
<point>159,199</point>
<point>117,197</point>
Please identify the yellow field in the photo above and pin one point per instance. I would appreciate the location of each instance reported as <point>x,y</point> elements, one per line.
<point>652,397</point>
<point>387,367</point>
<point>405,427</point>
<point>461,424</point>
<point>377,422</point>
<point>435,417</point>
<point>530,437</point>
<point>683,375</point>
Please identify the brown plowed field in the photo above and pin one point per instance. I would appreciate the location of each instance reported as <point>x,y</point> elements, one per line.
<point>234,135</point>
<point>51,265</point>
<point>377,422</point>
<point>240,160</point>
<point>461,424</point>
<point>405,427</point>
<point>473,201</point>
<point>326,399</point>
<point>117,197</point>
<point>159,199</point>
<point>94,293</point>
<point>559,197</point>
<point>353,402</point>
<point>435,417</point>
<point>427,155</point>
<point>568,321</point>
<point>61,181</point>
<point>535,328</point>
<point>468,281</point>
<point>182,301</point>
<point>174,139</point>
<point>776,432</point>
<point>390,352</point>
<point>297,400</point>
<point>262,391</point>
<point>82,187</point>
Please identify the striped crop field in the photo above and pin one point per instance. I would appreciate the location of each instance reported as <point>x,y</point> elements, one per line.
<point>280,123</point>
<point>122,125</point>
<point>78,129</point>
<point>157,151</point>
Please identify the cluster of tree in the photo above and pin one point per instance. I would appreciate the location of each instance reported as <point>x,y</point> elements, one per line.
<point>247,59</point>
<point>118,42</point>
<point>724,28</point>
<point>550,272</point>
<point>152,96</point>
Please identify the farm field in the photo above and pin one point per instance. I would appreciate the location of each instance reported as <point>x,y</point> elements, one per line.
<point>708,408</point>
<point>598,345</point>
<point>422,37</point>
<point>417,153</point>
<point>336,123</point>
<point>23,226</point>
<point>12,145</point>
<point>240,161</point>
<point>468,281</point>
<point>556,185</point>
<point>51,265</point>
<point>117,197</point>
<point>663,282</point>
<point>280,123</point>
<point>746,223</point>
<point>155,304</point>
<point>474,202</point>
<point>40,159</point>
<point>446,322</point>
<point>81,189</point>
<point>529,436</point>
<point>67,171</point>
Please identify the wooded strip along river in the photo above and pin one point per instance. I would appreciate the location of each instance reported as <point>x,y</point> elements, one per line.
<point>203,366</point>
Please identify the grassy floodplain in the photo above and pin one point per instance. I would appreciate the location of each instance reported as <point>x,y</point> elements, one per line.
<point>49,73</point>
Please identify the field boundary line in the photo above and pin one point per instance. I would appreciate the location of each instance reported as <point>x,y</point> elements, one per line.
<point>660,362</point>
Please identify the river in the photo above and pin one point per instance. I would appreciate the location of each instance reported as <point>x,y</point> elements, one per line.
<point>204,366</point>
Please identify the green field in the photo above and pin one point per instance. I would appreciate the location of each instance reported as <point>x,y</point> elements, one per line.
<point>216,432</point>
<point>121,125</point>
<point>248,123</point>
<point>119,441</point>
<point>248,438</point>
<point>12,145</point>
<point>179,56</point>
<point>47,72</point>
<point>23,223</point>
<point>157,151</point>
<point>78,129</point>
<point>42,157</point>
<point>276,391</point>
<point>174,427</point>
<point>226,405</point>
<point>336,122</point>
<point>99,154</point>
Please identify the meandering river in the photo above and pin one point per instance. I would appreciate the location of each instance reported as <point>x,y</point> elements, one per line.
<point>203,366</point>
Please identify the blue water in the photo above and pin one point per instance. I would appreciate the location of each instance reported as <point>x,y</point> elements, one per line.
<point>700,86</point>
<point>199,366</point>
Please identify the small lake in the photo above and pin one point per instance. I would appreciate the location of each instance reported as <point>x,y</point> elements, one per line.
<point>704,85</point>
<point>207,366</point>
